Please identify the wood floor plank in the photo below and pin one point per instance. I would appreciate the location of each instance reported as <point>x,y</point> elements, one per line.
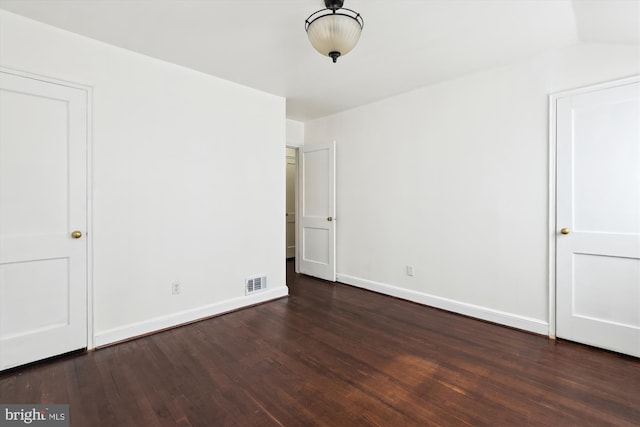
<point>335,355</point>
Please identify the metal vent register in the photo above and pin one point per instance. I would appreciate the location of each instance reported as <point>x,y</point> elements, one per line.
<point>255,284</point>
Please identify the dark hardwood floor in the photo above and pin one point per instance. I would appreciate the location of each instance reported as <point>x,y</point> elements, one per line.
<point>334,355</point>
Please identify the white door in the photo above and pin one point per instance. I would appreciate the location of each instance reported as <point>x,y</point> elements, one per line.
<point>43,200</point>
<point>317,216</point>
<point>598,218</point>
<point>290,218</point>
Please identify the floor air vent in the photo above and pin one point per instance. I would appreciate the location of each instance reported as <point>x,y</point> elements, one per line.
<point>255,284</point>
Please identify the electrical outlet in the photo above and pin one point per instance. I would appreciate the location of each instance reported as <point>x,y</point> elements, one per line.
<point>175,288</point>
<point>409,270</point>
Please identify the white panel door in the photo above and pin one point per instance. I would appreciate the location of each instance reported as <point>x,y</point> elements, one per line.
<point>317,217</point>
<point>598,218</point>
<point>43,200</point>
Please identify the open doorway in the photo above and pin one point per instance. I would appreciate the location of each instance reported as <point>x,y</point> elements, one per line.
<point>291,163</point>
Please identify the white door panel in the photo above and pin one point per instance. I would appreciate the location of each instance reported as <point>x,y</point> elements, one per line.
<point>317,219</point>
<point>617,303</point>
<point>43,198</point>
<point>605,159</point>
<point>598,201</point>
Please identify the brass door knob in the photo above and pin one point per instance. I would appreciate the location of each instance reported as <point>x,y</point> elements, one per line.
<point>76,234</point>
<point>329,218</point>
<point>564,230</point>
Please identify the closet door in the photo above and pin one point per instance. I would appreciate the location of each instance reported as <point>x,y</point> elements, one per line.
<point>43,219</point>
<point>598,218</point>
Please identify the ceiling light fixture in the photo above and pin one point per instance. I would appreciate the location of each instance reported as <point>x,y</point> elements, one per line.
<point>334,31</point>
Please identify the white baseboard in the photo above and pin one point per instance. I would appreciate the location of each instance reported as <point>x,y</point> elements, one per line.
<point>479,312</point>
<point>133,330</point>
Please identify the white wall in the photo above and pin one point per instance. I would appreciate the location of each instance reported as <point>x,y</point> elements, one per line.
<point>453,179</point>
<point>295,133</point>
<point>188,180</point>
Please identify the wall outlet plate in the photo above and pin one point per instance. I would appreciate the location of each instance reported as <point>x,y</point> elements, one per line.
<point>175,288</point>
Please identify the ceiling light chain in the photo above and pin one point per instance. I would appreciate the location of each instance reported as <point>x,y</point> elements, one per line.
<point>334,31</point>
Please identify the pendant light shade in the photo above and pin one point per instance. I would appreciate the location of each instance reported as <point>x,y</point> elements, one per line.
<point>334,31</point>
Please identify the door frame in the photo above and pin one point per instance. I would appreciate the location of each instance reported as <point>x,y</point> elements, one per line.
<point>89,167</point>
<point>552,165</point>
<point>295,201</point>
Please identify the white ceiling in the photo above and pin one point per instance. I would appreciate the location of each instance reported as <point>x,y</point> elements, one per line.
<point>405,44</point>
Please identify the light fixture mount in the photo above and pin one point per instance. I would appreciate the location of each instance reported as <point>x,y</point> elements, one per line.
<point>334,31</point>
<point>333,4</point>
